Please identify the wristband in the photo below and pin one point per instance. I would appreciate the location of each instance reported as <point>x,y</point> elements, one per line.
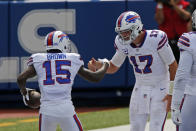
<point>171,86</point>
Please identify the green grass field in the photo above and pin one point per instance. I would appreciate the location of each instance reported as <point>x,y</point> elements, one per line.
<point>90,120</point>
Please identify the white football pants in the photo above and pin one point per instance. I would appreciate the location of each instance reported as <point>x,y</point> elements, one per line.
<point>188,114</point>
<point>146,101</point>
<point>49,123</point>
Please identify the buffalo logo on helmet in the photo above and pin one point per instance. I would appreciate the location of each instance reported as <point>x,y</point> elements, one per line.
<point>132,18</point>
<point>62,36</point>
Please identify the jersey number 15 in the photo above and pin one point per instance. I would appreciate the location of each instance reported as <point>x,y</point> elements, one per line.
<point>59,71</point>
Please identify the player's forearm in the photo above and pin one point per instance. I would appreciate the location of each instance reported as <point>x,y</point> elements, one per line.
<point>112,69</point>
<point>172,70</point>
<point>183,72</point>
<point>181,79</point>
<point>21,81</point>
<point>178,93</point>
<point>101,72</point>
<point>92,76</point>
<point>178,89</point>
<point>22,78</point>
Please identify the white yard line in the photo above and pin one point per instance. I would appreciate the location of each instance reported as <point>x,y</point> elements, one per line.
<point>169,126</point>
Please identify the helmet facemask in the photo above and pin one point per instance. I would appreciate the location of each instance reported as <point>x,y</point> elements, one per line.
<point>66,46</point>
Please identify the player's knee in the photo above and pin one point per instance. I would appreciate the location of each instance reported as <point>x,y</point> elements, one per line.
<point>136,126</point>
<point>155,126</point>
<point>159,108</point>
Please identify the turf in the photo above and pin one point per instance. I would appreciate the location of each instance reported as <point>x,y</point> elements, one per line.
<point>91,120</point>
<point>102,119</point>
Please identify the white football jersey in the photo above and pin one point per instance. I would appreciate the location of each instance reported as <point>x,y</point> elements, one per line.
<point>150,59</point>
<point>186,43</point>
<point>56,73</point>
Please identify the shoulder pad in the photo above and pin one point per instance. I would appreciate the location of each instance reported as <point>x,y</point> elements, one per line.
<point>37,55</point>
<point>31,59</point>
<point>184,42</point>
<point>163,40</point>
<point>161,34</point>
<point>76,58</point>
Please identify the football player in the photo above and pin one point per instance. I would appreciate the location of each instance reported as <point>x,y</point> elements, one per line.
<point>56,71</point>
<point>154,67</point>
<point>184,94</point>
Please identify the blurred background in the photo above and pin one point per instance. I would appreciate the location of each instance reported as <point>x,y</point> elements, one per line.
<point>90,25</point>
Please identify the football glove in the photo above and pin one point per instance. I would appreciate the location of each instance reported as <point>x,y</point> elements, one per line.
<point>176,116</point>
<point>26,97</point>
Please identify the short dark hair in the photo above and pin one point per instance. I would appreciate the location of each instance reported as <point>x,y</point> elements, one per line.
<point>54,51</point>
